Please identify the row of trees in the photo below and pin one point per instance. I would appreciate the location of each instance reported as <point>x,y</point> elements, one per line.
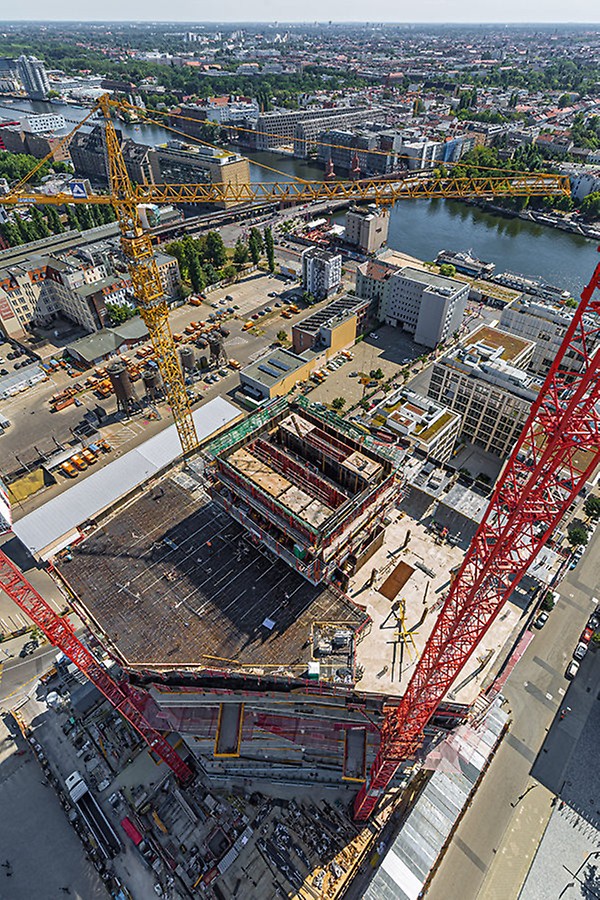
<point>203,260</point>
<point>15,166</point>
<point>41,224</point>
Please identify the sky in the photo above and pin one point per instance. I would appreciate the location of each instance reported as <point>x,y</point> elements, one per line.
<point>306,10</point>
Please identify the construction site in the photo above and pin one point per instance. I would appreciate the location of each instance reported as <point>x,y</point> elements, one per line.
<point>275,615</point>
<point>272,596</point>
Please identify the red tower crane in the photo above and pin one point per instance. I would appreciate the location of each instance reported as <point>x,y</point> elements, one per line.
<point>557,451</point>
<point>129,702</point>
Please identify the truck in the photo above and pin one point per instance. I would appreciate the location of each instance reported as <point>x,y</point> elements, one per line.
<point>95,820</point>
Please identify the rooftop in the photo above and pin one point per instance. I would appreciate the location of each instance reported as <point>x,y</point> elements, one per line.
<point>430,279</point>
<point>58,520</point>
<point>513,347</point>
<point>274,367</point>
<point>332,314</point>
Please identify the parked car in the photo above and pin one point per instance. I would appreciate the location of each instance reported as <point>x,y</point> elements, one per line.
<point>228,297</point>
<point>572,669</point>
<point>541,620</point>
<point>586,635</point>
<point>594,622</point>
<point>29,648</point>
<point>580,650</point>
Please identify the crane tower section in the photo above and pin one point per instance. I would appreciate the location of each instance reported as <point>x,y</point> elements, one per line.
<point>147,286</point>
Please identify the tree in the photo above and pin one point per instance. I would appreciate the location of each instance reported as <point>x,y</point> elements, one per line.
<point>210,273</point>
<point>240,254</point>
<point>338,403</point>
<point>270,249</point>
<point>73,218</point>
<point>376,374</point>
<point>215,249</point>
<point>39,225</point>
<point>282,335</point>
<point>590,205</point>
<point>578,535</point>
<point>448,270</point>
<point>196,273</point>
<point>255,245</point>
<point>11,234</point>
<point>54,221</point>
<point>120,312</point>
<point>591,507</point>
<point>229,272</point>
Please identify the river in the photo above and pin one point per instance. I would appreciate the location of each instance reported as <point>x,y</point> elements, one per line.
<point>418,227</point>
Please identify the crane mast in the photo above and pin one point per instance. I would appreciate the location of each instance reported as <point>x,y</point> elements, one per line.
<point>146,281</point>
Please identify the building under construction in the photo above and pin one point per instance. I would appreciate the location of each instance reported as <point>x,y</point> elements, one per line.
<point>235,589</point>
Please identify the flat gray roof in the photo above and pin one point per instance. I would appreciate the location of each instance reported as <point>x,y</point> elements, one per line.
<point>430,279</point>
<point>275,366</point>
<point>58,520</point>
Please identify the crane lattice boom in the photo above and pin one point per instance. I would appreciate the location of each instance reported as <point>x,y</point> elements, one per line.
<point>129,702</point>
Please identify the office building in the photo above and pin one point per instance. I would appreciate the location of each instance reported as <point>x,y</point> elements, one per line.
<point>428,306</point>
<point>545,324</point>
<point>181,163</point>
<point>44,122</point>
<point>308,131</point>
<point>32,73</point>
<point>367,228</point>
<point>485,383</point>
<point>321,272</point>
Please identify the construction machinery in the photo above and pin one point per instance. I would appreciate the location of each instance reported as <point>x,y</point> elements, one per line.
<point>559,447</point>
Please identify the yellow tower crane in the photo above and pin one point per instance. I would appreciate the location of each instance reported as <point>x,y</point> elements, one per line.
<point>125,197</point>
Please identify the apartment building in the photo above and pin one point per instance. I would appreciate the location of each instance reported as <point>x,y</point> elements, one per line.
<point>545,324</point>
<point>485,384</point>
<point>37,291</point>
<point>32,73</point>
<point>75,286</point>
<point>89,157</point>
<point>38,144</point>
<point>321,272</point>
<point>367,228</point>
<point>309,131</point>
<point>372,277</point>
<point>428,306</point>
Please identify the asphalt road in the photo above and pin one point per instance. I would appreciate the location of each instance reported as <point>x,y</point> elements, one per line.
<point>495,842</point>
<point>17,675</point>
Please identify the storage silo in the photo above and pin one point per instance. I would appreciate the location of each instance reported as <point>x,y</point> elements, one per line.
<point>188,359</point>
<point>152,382</point>
<point>121,382</point>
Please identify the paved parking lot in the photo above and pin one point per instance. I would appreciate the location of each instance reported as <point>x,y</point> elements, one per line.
<point>388,351</point>
<point>252,293</point>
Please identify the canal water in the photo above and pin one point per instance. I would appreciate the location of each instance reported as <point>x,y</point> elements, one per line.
<point>420,228</point>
